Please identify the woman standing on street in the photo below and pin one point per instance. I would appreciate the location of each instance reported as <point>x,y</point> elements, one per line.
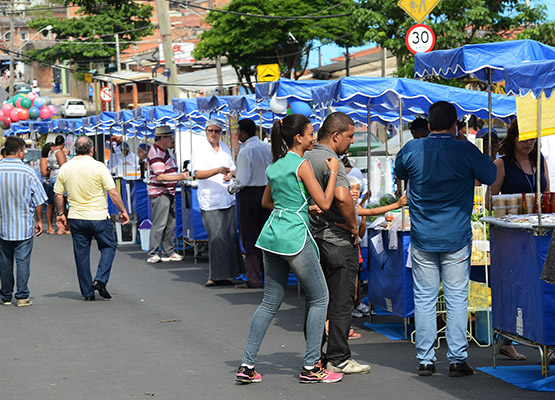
<point>57,158</point>
<point>287,245</point>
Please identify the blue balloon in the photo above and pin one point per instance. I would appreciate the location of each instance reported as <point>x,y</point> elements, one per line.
<point>39,102</point>
<point>46,100</point>
<point>300,107</point>
<point>34,113</point>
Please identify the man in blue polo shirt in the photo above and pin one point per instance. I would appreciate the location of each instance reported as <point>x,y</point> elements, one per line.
<point>20,194</point>
<point>442,171</point>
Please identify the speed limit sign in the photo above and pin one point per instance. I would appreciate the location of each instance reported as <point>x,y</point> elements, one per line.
<point>420,39</point>
<point>106,94</point>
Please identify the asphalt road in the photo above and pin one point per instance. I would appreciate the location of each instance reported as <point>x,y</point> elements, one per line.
<point>164,335</point>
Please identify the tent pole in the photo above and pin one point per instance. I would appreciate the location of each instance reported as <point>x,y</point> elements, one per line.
<point>538,165</point>
<point>401,145</point>
<point>490,76</point>
<point>260,130</point>
<point>369,149</point>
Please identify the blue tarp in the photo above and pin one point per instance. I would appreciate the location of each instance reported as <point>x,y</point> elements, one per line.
<point>519,297</point>
<point>535,77</point>
<point>383,94</point>
<point>477,58</point>
<point>389,280</point>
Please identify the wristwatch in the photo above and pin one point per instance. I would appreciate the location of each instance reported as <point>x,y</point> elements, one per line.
<point>60,214</point>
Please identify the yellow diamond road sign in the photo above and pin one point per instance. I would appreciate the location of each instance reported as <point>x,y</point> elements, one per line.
<point>267,72</point>
<point>418,9</point>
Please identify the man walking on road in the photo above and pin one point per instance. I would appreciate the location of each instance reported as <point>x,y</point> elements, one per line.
<point>250,182</point>
<point>336,234</point>
<point>86,182</point>
<point>161,190</point>
<point>21,193</point>
<point>441,171</point>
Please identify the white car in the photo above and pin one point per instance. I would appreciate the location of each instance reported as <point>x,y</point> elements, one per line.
<point>74,108</point>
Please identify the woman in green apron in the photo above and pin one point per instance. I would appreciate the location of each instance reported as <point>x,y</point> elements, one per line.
<point>287,245</point>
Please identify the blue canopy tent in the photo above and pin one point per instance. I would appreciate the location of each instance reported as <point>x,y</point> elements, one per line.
<point>484,61</point>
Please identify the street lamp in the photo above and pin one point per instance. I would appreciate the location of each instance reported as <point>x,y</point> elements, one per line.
<point>46,28</point>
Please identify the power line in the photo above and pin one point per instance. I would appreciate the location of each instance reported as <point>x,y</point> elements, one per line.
<point>121,78</point>
<point>276,17</point>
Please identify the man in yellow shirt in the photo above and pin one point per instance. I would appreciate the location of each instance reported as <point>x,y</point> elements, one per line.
<point>86,182</point>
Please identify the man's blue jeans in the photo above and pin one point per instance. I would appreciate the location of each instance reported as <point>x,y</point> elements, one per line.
<point>307,269</point>
<point>454,270</point>
<point>82,232</point>
<point>20,251</point>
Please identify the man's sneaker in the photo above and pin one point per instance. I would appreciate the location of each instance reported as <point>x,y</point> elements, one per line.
<point>357,314</point>
<point>6,302</point>
<point>426,369</point>
<point>173,257</point>
<point>153,259</point>
<point>247,375</point>
<point>318,375</point>
<point>24,302</point>
<point>459,369</point>
<point>349,367</point>
<point>363,309</point>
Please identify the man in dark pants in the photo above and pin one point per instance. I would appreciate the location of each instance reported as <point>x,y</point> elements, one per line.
<point>252,161</point>
<point>335,232</point>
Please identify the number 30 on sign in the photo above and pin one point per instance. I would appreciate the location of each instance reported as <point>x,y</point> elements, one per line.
<point>420,39</point>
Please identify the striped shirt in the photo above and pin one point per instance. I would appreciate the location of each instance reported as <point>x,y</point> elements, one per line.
<point>21,192</point>
<point>160,162</point>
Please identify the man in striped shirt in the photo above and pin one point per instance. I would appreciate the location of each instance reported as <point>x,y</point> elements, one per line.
<point>164,176</point>
<point>22,193</point>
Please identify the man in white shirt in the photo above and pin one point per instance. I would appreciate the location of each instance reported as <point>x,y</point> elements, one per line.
<point>250,182</point>
<point>213,167</point>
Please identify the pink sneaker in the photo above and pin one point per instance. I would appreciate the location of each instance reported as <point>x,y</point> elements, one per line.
<point>319,374</point>
<point>247,375</point>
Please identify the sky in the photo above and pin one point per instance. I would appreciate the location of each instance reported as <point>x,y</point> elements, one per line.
<point>330,51</point>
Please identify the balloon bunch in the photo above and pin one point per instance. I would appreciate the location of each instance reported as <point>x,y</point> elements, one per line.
<point>26,106</point>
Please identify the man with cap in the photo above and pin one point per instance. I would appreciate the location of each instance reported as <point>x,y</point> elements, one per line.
<point>250,182</point>
<point>213,167</point>
<point>164,176</point>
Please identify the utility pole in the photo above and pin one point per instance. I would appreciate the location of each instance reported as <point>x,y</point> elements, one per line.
<point>218,65</point>
<point>164,24</point>
<point>117,52</point>
<point>12,36</point>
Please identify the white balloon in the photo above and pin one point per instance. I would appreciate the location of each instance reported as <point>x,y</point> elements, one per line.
<point>278,106</point>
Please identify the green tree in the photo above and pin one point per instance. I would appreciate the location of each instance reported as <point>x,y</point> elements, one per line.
<point>248,41</point>
<point>455,23</point>
<point>90,37</point>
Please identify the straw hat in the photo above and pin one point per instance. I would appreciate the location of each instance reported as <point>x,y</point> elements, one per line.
<point>163,130</point>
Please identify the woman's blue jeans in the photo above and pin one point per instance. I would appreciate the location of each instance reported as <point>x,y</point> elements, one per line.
<point>306,267</point>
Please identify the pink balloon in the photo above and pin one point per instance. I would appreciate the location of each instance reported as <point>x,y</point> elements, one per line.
<point>14,115</point>
<point>32,96</point>
<point>7,121</point>
<point>1,115</point>
<point>18,102</point>
<point>7,108</point>
<point>53,109</point>
<point>45,112</point>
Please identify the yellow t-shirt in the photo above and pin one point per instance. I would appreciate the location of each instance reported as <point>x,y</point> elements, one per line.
<point>86,181</point>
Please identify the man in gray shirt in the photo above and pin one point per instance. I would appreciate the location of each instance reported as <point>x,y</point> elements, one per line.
<point>335,232</point>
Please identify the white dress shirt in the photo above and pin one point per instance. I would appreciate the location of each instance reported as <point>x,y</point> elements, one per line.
<point>252,161</point>
<point>212,192</point>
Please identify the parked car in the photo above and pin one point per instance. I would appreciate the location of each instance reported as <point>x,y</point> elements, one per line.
<point>74,108</point>
<point>20,87</point>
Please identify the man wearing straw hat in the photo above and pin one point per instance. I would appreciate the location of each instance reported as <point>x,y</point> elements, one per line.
<point>441,171</point>
<point>161,190</point>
